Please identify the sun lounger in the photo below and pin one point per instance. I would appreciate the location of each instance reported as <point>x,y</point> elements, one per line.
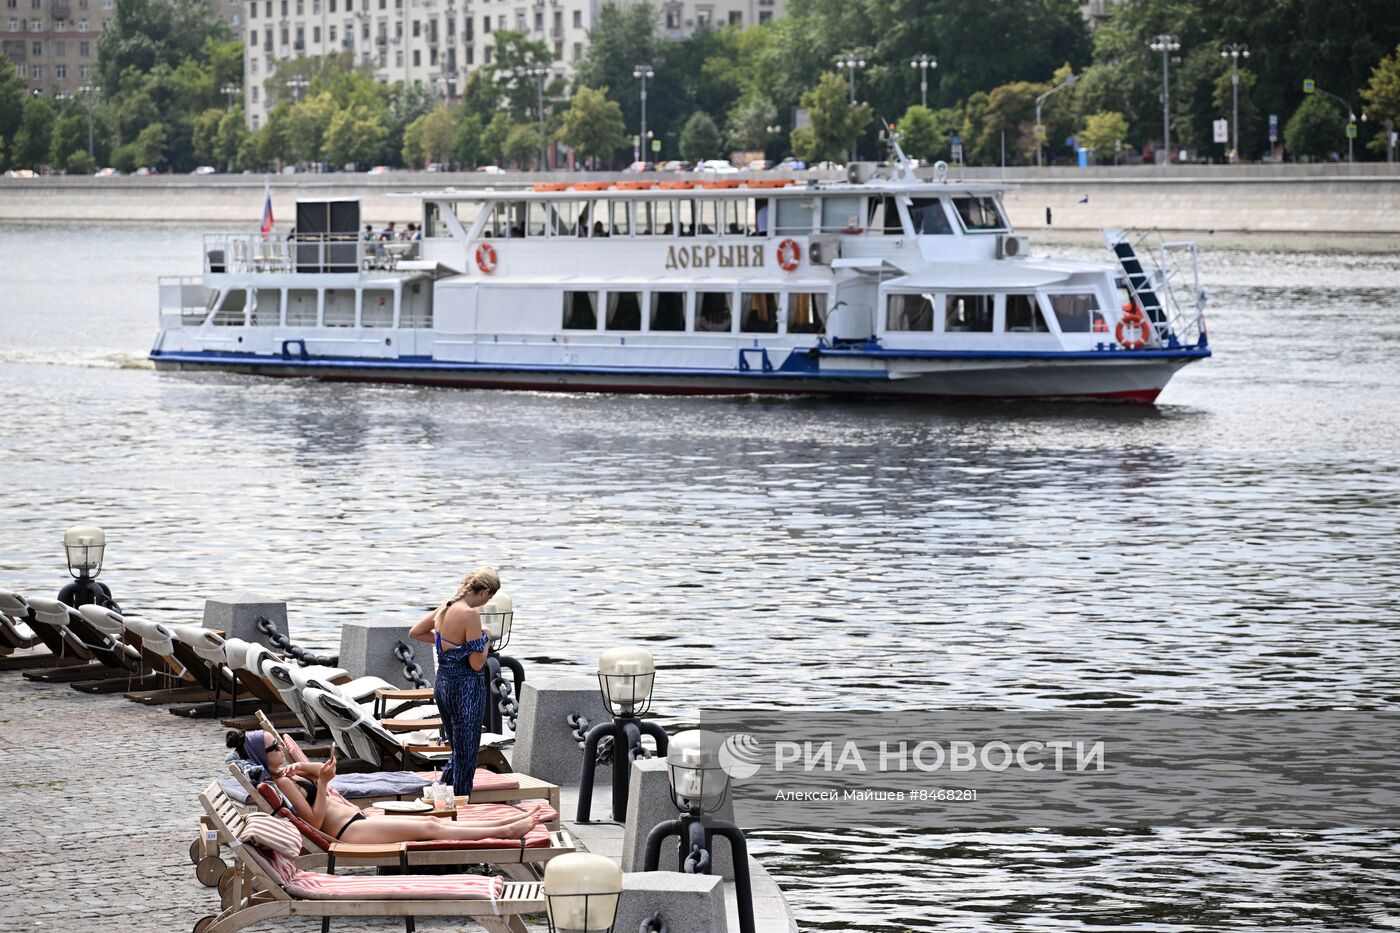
<point>270,885</point>
<point>14,609</point>
<point>75,634</point>
<point>64,648</point>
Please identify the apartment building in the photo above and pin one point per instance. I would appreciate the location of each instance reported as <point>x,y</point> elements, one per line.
<point>53,43</point>
<point>436,43</point>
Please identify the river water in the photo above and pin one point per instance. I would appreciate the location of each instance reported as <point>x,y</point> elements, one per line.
<point>1233,547</point>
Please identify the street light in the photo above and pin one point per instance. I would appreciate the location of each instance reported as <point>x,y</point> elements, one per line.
<point>1234,51</point>
<point>298,84</point>
<point>89,90</point>
<point>851,63</point>
<point>924,63</point>
<point>1039,129</point>
<point>228,90</point>
<point>1166,44</point>
<point>643,72</point>
<point>1389,136</point>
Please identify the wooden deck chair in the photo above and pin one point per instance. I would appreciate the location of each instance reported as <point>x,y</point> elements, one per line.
<point>65,631</point>
<point>158,648</point>
<point>14,609</point>
<point>268,886</point>
<point>64,648</point>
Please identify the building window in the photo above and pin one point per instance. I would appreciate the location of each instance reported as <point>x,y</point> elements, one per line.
<point>417,58</point>
<point>60,26</point>
<point>14,24</point>
<point>316,34</point>
<point>486,24</point>
<point>330,34</point>
<point>559,49</point>
<point>85,49</point>
<point>36,25</point>
<point>417,29</point>
<point>398,59</point>
<point>432,57</point>
<point>252,11</point>
<point>539,21</point>
<point>736,18</point>
<point>256,120</point>
<point>702,19</point>
<point>578,50</point>
<point>84,71</point>
<point>301,7</point>
<point>36,49</point>
<point>37,4</point>
<point>765,16</point>
<point>37,71</point>
<point>235,20</point>
<point>316,7</point>
<point>60,72</point>
<point>254,92</point>
<point>60,49</point>
<point>486,55</point>
<point>471,55</point>
<point>578,19</point>
<point>252,66</point>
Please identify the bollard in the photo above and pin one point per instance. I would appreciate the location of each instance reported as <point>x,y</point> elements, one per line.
<point>545,744</point>
<point>686,903</point>
<point>237,616</point>
<point>649,803</point>
<point>367,649</point>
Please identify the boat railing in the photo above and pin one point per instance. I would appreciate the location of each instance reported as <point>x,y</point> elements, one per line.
<point>302,252</point>
<point>1165,279</point>
<point>185,297</point>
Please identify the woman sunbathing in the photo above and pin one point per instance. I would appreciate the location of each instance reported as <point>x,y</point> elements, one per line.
<point>305,785</point>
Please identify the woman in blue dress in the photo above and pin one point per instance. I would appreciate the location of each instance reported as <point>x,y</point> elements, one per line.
<point>461,645</point>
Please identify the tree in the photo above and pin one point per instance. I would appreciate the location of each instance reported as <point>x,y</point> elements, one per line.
<point>233,131</point>
<point>80,163</point>
<point>69,137</point>
<point>466,147</point>
<point>593,125</point>
<point>918,134</point>
<point>12,98</point>
<point>746,126</point>
<point>150,145</point>
<point>356,134</point>
<point>35,134</point>
<point>1381,98</point>
<point>1102,132</point>
<point>493,138</point>
<point>700,138</point>
<point>1316,129</point>
<point>522,144</point>
<point>835,123</point>
<point>205,135</point>
<point>146,33</point>
<point>1010,111</point>
<point>431,137</point>
<point>307,124</point>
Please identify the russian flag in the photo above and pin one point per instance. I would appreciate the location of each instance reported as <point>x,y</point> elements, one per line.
<point>267,209</point>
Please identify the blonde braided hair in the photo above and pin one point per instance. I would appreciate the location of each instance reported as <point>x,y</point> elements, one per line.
<point>477,579</point>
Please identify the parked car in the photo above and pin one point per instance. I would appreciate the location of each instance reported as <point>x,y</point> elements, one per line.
<point>378,170</point>
<point>145,170</point>
<point>641,167</point>
<point>21,173</point>
<point>757,165</point>
<point>717,167</point>
<point>105,172</point>
<point>674,165</point>
<point>490,169</point>
<point>203,170</point>
<point>436,167</point>
<point>790,164</point>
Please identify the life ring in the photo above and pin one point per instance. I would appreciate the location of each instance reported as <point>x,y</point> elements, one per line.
<point>486,258</point>
<point>789,255</point>
<point>1136,321</point>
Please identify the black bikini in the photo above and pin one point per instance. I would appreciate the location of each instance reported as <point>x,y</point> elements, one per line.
<point>348,823</point>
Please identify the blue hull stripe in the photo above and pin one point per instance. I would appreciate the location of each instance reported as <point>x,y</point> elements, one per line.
<point>880,353</point>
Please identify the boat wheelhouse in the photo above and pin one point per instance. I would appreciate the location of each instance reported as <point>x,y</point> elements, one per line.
<point>891,286</point>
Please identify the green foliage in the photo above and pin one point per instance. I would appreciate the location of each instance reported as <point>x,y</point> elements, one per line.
<point>493,138</point>
<point>124,158</point>
<point>1102,132</point>
<point>356,134</point>
<point>205,135</point>
<point>747,125</point>
<point>80,163</point>
<point>150,145</point>
<point>1252,130</point>
<point>466,147</point>
<point>593,125</point>
<point>32,140</point>
<point>232,134</point>
<point>145,34</point>
<point>1381,98</point>
<point>700,138</point>
<point>522,144</point>
<point>69,136</point>
<point>927,134</point>
<point>835,124</point>
<point>1317,128</point>
<point>307,124</point>
<point>12,98</point>
<point>430,138</point>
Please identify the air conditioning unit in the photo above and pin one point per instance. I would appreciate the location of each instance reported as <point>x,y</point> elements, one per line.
<point>858,173</point>
<point>822,249</point>
<point>1013,247</point>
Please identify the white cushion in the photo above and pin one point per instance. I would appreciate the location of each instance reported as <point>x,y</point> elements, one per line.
<point>104,620</point>
<point>13,604</point>
<point>49,611</point>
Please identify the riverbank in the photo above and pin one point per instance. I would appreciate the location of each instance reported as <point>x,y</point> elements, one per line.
<point>1346,202</point>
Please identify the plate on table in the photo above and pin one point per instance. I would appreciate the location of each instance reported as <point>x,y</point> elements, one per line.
<point>404,806</point>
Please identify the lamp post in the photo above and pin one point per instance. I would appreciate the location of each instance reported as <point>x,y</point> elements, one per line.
<point>643,72</point>
<point>538,72</point>
<point>851,63</point>
<point>229,90</point>
<point>581,891</point>
<point>923,63</point>
<point>497,617</point>
<point>89,90</point>
<point>298,84</point>
<point>84,546</point>
<point>1166,44</point>
<point>1234,51</point>
<point>1039,129</point>
<point>699,786</point>
<point>1310,87</point>
<point>625,676</point>
<point>1389,136</point>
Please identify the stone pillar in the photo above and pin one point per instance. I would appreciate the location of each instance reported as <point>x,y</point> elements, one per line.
<point>649,803</point>
<point>545,746</point>
<point>688,903</point>
<point>237,616</point>
<point>367,649</point>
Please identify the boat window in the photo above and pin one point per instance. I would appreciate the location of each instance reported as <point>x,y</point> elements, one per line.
<point>580,310</point>
<point>301,307</point>
<point>910,313</point>
<point>620,224</point>
<point>1023,315</point>
<point>739,217</point>
<point>667,311</point>
<point>709,216</point>
<point>685,217</point>
<point>969,313</point>
<point>807,313</point>
<point>536,214</point>
<point>593,219</point>
<point>665,218</point>
<point>377,309</point>
<point>433,225</point>
<point>642,218</point>
<point>508,220</point>
<point>467,212</point>
<point>841,215</point>
<point>624,311</point>
<point>230,313</point>
<point>713,312</point>
<point>794,216</point>
<point>979,213</point>
<point>884,216</point>
<point>928,217</point>
<point>564,221</point>
<point>1078,314</point>
<point>760,313</point>
<point>762,223</point>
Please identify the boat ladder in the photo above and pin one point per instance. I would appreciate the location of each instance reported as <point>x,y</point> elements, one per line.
<point>1157,284</point>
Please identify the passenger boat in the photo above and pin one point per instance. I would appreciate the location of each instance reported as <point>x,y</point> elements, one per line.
<point>881,285</point>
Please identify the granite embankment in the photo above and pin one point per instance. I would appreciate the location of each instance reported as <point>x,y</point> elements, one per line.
<point>1339,200</point>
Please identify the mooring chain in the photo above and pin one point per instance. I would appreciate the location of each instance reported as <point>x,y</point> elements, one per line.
<point>283,644</point>
<point>507,705</point>
<point>403,652</point>
<point>579,724</point>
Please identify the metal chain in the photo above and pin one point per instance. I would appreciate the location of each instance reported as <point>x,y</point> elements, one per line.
<point>283,644</point>
<point>403,652</point>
